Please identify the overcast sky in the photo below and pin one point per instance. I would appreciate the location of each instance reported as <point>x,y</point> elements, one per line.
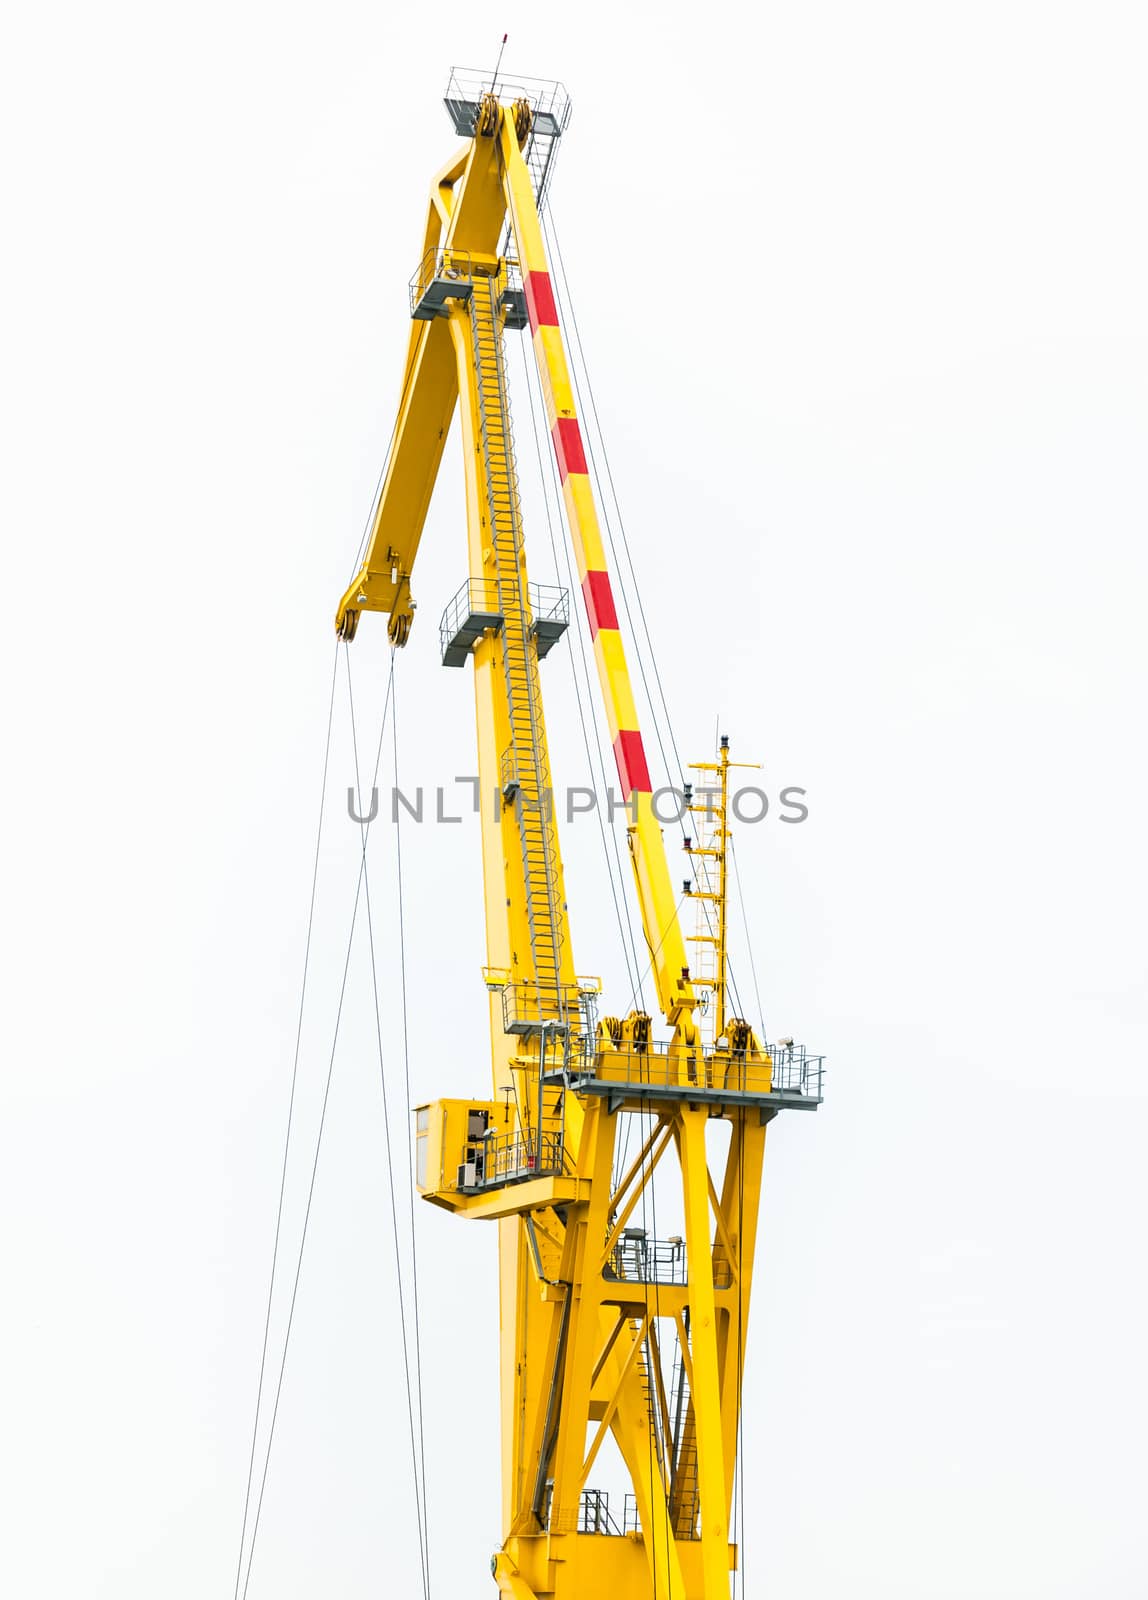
<point>861,290</point>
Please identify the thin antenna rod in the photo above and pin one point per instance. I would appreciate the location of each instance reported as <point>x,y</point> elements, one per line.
<point>498,63</point>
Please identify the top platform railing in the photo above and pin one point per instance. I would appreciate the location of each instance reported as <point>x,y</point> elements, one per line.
<point>547,100</point>
<point>791,1074</point>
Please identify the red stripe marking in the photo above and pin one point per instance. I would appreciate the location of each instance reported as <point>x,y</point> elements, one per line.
<point>567,438</point>
<point>599,598</point>
<point>540,307</point>
<point>630,754</point>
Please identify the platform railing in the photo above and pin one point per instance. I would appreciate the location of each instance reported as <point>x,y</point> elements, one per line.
<point>478,597</point>
<point>781,1069</point>
<point>639,1259</point>
<point>592,1515</point>
<point>549,602</point>
<point>454,266</point>
<point>548,100</point>
<point>513,1157</point>
<point>795,1071</point>
<point>654,1065</point>
<point>567,1010</point>
<point>478,604</point>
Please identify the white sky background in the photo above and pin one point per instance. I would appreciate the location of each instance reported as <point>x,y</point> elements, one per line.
<point>862,290</point>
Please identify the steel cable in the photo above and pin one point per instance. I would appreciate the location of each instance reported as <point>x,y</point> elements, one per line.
<point>310,1198</point>
<point>415,1426</point>
<point>409,1142</point>
<point>290,1126</point>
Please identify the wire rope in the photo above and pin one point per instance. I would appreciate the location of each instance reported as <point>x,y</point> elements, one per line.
<point>407,1088</point>
<point>290,1127</point>
<point>302,1241</point>
<point>408,375</point>
<point>307,1210</point>
<point>414,1424</point>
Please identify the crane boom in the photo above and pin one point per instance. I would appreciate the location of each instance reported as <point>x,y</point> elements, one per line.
<point>611,1338</point>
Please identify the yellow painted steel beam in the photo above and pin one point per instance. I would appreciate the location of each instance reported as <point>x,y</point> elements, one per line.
<point>466,213</point>
<point>426,406</point>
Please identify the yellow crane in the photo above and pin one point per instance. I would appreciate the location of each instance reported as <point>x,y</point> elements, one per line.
<point>607,1333</point>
